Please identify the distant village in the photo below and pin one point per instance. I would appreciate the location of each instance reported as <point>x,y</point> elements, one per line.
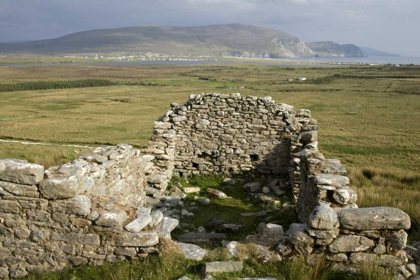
<point>144,57</point>
<point>298,79</point>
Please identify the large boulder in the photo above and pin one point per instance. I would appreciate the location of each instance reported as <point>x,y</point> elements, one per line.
<point>20,171</point>
<point>323,217</point>
<point>374,218</point>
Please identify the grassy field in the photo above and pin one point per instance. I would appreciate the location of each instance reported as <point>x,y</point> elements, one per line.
<point>368,116</point>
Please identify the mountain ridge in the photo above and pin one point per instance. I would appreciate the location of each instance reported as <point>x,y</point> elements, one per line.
<point>236,39</point>
<point>223,39</point>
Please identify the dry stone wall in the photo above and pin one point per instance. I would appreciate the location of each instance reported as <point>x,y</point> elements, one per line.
<point>332,224</point>
<point>231,134</point>
<point>88,211</point>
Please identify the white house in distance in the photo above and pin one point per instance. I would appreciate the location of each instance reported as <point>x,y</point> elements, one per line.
<point>301,79</point>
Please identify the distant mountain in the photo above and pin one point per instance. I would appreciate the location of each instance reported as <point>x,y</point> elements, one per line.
<point>238,40</point>
<point>331,49</point>
<point>373,52</point>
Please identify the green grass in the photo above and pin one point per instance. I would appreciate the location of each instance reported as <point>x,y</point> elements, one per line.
<point>230,209</point>
<point>171,266</point>
<point>54,85</point>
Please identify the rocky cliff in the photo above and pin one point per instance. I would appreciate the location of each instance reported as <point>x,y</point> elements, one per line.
<point>331,49</point>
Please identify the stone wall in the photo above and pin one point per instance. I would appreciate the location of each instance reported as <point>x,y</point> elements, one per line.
<point>332,224</point>
<point>230,134</point>
<point>84,212</point>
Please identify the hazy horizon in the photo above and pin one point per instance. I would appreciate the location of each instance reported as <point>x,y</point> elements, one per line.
<point>383,25</point>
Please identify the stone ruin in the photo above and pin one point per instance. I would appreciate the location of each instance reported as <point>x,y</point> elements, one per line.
<point>101,206</point>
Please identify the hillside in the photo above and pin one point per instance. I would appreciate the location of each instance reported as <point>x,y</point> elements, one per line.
<point>372,52</point>
<point>227,39</point>
<point>331,49</point>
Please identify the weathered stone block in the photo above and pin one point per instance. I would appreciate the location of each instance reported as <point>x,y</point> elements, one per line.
<point>142,220</point>
<point>9,206</point>
<point>382,260</point>
<point>396,241</point>
<point>323,217</point>
<point>323,234</point>
<point>113,218</point>
<point>309,136</point>
<point>20,171</point>
<point>331,180</point>
<point>167,226</point>
<point>374,218</point>
<point>350,243</point>
<point>73,238</point>
<point>141,239</point>
<point>18,189</point>
<point>61,187</point>
<point>79,205</point>
<point>345,196</point>
<point>192,252</point>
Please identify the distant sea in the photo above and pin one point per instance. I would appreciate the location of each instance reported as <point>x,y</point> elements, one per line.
<point>369,60</point>
<point>331,61</point>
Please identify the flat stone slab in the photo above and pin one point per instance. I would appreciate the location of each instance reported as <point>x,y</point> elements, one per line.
<point>192,252</point>
<point>374,218</point>
<point>138,223</point>
<point>141,239</point>
<point>20,171</point>
<point>382,260</point>
<point>201,237</point>
<point>220,267</point>
<point>331,180</point>
<point>7,188</point>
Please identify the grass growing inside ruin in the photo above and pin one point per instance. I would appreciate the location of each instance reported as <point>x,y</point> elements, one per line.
<point>171,265</point>
<point>231,208</point>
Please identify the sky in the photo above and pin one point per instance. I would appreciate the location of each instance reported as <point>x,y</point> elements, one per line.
<point>388,25</point>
